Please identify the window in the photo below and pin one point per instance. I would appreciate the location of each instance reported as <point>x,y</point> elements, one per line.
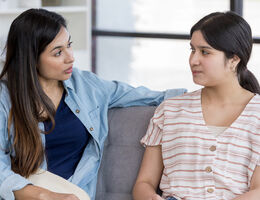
<point>252,15</point>
<point>154,15</point>
<point>154,63</point>
<point>137,45</point>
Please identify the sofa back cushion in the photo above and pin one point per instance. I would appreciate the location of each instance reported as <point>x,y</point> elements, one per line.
<point>122,152</point>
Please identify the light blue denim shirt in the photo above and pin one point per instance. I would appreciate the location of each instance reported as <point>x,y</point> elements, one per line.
<point>89,97</point>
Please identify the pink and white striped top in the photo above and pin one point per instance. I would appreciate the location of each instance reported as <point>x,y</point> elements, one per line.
<point>198,164</point>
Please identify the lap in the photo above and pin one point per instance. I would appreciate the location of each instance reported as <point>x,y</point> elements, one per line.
<point>57,184</point>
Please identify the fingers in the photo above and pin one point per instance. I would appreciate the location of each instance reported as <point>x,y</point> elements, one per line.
<point>71,197</point>
<point>157,197</point>
<point>58,196</point>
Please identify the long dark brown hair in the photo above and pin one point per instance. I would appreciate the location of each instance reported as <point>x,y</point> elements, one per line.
<point>28,37</point>
<point>230,33</point>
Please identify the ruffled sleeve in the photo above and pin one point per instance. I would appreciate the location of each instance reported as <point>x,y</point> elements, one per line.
<point>154,132</point>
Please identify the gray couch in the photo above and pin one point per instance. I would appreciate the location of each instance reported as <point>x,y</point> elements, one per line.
<point>123,152</point>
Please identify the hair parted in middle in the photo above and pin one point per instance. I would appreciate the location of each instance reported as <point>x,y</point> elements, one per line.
<point>28,37</point>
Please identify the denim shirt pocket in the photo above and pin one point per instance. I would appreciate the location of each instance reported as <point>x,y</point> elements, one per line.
<point>94,114</point>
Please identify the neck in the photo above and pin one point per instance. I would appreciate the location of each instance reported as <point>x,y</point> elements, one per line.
<point>225,93</point>
<point>51,87</point>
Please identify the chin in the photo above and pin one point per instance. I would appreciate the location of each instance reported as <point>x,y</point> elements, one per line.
<point>196,81</point>
<point>199,83</point>
<point>65,77</point>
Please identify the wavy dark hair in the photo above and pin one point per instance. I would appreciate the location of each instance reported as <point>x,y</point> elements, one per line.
<point>230,33</point>
<point>28,37</point>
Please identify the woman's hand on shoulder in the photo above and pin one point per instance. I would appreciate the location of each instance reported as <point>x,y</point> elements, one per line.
<point>31,192</point>
<point>156,197</point>
<point>58,196</point>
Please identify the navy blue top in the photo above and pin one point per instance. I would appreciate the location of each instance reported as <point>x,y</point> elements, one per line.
<point>66,143</point>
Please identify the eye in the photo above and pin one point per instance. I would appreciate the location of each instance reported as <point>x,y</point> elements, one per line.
<point>192,50</point>
<point>69,44</point>
<point>204,52</point>
<point>58,53</point>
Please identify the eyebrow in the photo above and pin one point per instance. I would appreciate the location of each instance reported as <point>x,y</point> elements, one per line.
<point>58,47</point>
<point>202,47</point>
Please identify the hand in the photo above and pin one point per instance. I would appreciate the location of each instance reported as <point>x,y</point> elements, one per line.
<point>156,197</point>
<point>38,193</point>
<point>58,196</point>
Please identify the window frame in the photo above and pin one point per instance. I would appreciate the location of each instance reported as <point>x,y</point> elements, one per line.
<point>235,6</point>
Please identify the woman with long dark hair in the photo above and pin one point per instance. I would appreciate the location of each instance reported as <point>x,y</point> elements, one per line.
<point>53,116</point>
<point>206,144</point>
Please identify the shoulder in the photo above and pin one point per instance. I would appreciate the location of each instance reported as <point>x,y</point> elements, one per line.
<point>254,105</point>
<point>256,100</point>
<point>3,87</point>
<point>186,99</point>
<point>81,75</point>
<point>253,109</point>
<point>4,92</point>
<point>189,101</point>
<point>5,102</point>
<point>80,78</point>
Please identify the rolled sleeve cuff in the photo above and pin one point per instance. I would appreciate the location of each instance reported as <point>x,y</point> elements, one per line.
<point>10,184</point>
<point>174,92</point>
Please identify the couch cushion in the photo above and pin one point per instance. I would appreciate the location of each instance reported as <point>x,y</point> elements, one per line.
<point>122,152</point>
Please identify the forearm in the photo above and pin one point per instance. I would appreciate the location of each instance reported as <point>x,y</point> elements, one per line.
<point>144,191</point>
<point>30,192</point>
<point>251,195</point>
<point>124,95</point>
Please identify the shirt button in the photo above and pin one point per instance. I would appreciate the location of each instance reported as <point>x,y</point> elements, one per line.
<point>91,128</point>
<point>208,169</point>
<point>210,190</point>
<point>213,148</point>
<point>77,110</point>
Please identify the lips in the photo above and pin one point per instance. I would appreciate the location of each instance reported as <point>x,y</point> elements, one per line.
<point>69,70</point>
<point>195,72</point>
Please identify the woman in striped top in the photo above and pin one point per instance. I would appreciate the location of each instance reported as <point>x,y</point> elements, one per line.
<point>206,144</point>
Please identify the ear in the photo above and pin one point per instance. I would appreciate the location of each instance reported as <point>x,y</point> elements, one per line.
<point>234,62</point>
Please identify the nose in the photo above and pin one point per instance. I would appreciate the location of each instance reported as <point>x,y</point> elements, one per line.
<point>69,56</point>
<point>194,59</point>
